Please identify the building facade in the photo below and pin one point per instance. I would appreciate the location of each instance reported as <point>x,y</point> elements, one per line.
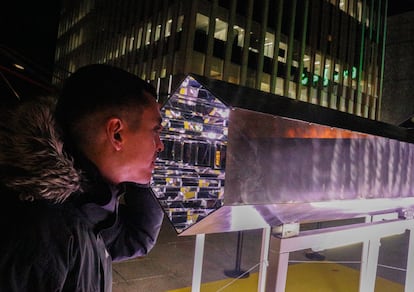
<point>326,52</point>
<point>398,94</point>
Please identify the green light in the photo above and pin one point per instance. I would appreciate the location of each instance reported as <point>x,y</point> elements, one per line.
<point>315,78</point>
<point>325,77</point>
<point>305,79</point>
<point>354,72</point>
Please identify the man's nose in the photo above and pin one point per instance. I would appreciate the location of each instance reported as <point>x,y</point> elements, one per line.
<point>160,145</point>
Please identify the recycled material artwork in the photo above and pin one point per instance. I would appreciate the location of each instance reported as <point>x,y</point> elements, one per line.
<point>237,158</point>
<point>189,177</point>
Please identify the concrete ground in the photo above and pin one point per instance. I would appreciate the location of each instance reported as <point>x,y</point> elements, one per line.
<point>169,265</point>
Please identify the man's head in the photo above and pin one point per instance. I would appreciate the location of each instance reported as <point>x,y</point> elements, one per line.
<point>112,117</point>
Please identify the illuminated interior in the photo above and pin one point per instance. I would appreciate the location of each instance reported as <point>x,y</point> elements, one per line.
<point>189,175</point>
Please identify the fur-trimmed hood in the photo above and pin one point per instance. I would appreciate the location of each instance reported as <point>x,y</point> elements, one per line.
<point>33,164</point>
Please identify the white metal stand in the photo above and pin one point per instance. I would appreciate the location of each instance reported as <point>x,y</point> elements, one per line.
<point>198,260</point>
<point>367,233</point>
<point>274,258</point>
<point>409,279</point>
<point>264,259</point>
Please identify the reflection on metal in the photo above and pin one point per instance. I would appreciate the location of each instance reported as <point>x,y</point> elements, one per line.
<point>189,176</point>
<point>257,159</point>
<point>276,160</point>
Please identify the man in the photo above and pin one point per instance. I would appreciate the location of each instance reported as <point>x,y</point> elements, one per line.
<point>62,221</point>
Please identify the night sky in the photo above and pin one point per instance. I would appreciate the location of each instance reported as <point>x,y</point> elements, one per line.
<point>399,6</point>
<point>30,27</point>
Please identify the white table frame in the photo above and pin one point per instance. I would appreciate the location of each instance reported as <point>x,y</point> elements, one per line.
<point>274,258</point>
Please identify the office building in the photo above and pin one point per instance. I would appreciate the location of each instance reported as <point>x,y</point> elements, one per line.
<point>326,52</point>
<point>398,94</point>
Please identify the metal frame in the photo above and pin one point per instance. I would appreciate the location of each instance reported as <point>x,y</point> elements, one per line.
<point>367,233</point>
<point>274,258</point>
<point>199,253</point>
<point>198,262</point>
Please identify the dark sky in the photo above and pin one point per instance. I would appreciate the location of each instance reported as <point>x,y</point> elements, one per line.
<point>28,31</point>
<point>30,27</point>
<point>399,6</point>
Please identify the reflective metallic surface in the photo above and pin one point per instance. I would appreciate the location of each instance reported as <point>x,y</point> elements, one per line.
<point>189,175</point>
<point>245,217</point>
<point>272,159</point>
<point>231,164</point>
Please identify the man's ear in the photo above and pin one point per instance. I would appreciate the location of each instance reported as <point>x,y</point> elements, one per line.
<point>114,127</point>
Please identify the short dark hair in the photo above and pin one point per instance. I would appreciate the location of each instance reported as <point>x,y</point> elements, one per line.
<point>94,88</point>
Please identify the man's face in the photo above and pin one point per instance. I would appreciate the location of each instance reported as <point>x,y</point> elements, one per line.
<point>142,144</point>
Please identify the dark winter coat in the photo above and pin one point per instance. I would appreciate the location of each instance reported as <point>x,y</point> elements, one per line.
<point>61,224</point>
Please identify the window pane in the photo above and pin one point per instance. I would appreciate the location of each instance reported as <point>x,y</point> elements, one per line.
<point>202,22</point>
<point>238,35</point>
<point>221,30</point>
<point>269,45</point>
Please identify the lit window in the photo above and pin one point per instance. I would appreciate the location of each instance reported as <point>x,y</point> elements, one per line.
<point>359,10</point>
<point>239,35</point>
<point>131,43</point>
<point>343,5</point>
<point>139,38</point>
<point>148,34</point>
<point>317,69</point>
<point>124,43</point>
<point>269,45</point>
<point>180,23</point>
<point>216,68</point>
<point>327,72</point>
<point>202,23</point>
<point>168,28</point>
<point>157,32</point>
<point>221,30</point>
<point>265,84</point>
<point>282,52</point>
